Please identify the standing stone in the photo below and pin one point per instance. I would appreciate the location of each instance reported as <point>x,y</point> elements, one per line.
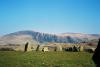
<point>45,49</point>
<point>58,47</point>
<point>26,47</point>
<point>81,48</point>
<point>37,49</point>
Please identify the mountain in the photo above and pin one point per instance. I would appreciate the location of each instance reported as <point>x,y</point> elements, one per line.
<point>80,35</point>
<point>22,37</point>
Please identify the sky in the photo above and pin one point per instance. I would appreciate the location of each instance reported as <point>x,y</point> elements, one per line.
<point>50,16</point>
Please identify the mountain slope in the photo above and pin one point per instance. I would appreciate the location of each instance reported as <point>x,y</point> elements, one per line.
<point>37,37</point>
<point>80,35</point>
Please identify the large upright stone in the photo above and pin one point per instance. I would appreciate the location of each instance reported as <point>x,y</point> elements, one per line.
<point>59,47</point>
<point>26,47</point>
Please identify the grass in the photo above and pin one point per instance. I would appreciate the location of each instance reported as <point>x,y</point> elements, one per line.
<point>45,59</point>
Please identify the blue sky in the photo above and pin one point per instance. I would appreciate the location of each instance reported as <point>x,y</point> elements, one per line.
<point>50,16</point>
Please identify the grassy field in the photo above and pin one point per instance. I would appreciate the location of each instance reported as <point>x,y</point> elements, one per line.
<point>45,59</point>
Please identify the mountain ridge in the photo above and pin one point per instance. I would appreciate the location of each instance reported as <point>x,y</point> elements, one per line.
<point>39,37</point>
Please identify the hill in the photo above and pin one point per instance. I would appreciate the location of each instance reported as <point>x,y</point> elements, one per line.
<point>38,37</point>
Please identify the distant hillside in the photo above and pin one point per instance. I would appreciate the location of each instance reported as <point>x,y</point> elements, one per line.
<point>80,35</point>
<point>37,37</point>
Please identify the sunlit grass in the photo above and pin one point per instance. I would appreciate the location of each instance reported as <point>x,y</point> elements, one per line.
<point>45,59</point>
